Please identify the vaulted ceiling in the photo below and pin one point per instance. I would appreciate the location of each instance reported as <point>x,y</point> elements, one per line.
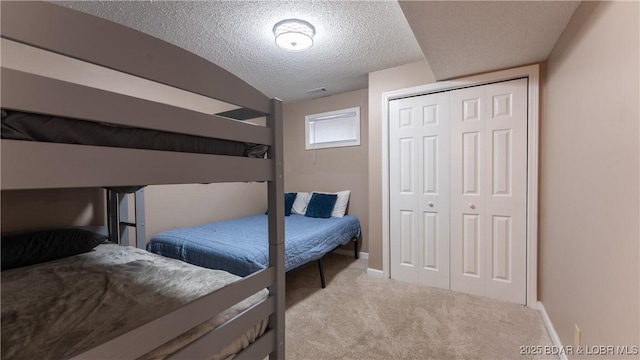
<point>353,38</point>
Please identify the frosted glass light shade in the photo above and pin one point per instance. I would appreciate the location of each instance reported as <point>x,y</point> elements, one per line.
<point>294,34</point>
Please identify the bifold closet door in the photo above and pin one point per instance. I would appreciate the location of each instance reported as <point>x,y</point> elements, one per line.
<point>488,127</point>
<point>419,189</point>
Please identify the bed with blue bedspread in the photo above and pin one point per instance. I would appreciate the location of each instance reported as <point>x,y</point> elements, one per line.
<point>240,246</point>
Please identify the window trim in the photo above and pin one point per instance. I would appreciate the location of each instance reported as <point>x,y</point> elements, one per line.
<point>350,114</point>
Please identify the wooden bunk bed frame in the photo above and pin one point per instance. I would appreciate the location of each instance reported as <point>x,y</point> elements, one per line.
<point>39,165</point>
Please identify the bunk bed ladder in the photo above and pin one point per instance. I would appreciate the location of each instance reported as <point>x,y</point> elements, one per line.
<point>118,217</point>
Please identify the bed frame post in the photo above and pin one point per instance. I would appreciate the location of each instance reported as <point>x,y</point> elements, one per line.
<point>355,248</point>
<point>117,210</point>
<point>113,216</point>
<point>141,241</point>
<point>276,229</point>
<point>123,213</point>
<point>322,282</point>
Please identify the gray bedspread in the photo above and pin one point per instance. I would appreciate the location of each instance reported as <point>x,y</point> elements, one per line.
<point>61,308</point>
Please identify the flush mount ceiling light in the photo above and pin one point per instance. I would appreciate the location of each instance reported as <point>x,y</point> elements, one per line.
<point>294,34</point>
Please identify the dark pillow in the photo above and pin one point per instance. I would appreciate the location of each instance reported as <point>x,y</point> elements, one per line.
<point>40,246</point>
<point>321,205</point>
<point>289,198</point>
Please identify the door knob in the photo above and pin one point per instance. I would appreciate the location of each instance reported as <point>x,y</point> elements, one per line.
<point>471,206</point>
<point>430,204</point>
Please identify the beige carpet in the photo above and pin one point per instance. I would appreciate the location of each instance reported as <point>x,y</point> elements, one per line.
<point>358,316</point>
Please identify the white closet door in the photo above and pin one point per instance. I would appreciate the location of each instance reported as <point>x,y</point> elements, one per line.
<point>488,191</point>
<point>507,197</point>
<point>468,187</point>
<point>419,186</point>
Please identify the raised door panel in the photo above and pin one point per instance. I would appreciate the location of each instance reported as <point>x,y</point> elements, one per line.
<point>502,162</point>
<point>431,169</point>
<point>501,245</point>
<point>406,166</point>
<point>407,238</point>
<point>471,163</point>
<point>471,245</point>
<point>430,239</point>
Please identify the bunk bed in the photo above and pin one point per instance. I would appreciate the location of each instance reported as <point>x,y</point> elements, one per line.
<point>29,27</point>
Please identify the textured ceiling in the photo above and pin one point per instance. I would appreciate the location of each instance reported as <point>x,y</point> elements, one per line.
<point>469,37</point>
<point>352,39</point>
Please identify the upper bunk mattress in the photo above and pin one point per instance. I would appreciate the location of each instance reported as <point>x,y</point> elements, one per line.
<point>17,125</point>
<point>240,246</point>
<point>60,308</point>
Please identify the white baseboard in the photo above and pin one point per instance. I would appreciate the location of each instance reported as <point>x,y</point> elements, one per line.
<point>362,255</point>
<point>375,273</point>
<point>552,331</point>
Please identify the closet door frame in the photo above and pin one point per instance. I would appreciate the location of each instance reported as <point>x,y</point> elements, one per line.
<point>532,73</point>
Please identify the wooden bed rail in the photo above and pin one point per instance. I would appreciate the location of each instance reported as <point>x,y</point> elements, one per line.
<point>105,43</point>
<point>147,337</point>
<point>34,93</point>
<point>261,346</point>
<point>51,166</point>
<point>224,334</point>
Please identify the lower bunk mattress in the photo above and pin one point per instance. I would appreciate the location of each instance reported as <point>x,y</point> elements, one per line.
<point>58,309</point>
<point>240,246</point>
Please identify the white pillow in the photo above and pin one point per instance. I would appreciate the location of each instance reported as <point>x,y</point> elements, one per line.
<point>340,208</point>
<point>300,203</point>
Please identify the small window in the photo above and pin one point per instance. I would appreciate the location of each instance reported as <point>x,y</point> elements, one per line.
<point>333,129</point>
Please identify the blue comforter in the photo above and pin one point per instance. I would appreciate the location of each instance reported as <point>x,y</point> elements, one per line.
<point>240,246</point>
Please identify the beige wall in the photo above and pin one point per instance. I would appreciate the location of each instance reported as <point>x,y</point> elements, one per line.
<point>589,177</point>
<point>414,74</point>
<point>335,169</point>
<point>167,206</point>
<point>170,206</point>
<point>46,209</point>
